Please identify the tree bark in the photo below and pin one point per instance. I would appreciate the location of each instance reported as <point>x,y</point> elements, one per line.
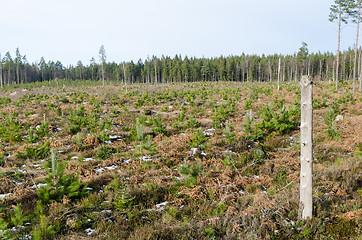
<point>306,156</point>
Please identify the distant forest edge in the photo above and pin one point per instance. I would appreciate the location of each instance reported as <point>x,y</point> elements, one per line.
<point>184,69</point>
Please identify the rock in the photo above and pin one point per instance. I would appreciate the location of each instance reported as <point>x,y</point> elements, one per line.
<point>149,112</point>
<point>339,118</point>
<point>194,152</point>
<point>72,220</point>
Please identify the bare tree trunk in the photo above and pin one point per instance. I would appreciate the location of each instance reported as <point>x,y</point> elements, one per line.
<point>17,74</point>
<point>103,73</point>
<point>339,41</point>
<point>308,67</point>
<point>25,74</point>
<point>359,63</point>
<point>92,72</point>
<point>124,77</point>
<point>278,73</point>
<point>327,77</point>
<point>334,73</point>
<point>9,76</point>
<point>155,66</point>
<point>270,72</point>
<point>355,52</point>
<point>349,76</point>
<point>306,156</point>
<point>283,74</point>
<point>343,65</point>
<point>360,76</point>
<point>320,70</point>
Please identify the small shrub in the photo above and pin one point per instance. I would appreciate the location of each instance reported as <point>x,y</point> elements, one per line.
<point>191,172</point>
<point>229,135</point>
<point>248,105</point>
<point>332,130</point>
<point>43,230</point>
<point>37,152</point>
<point>42,130</point>
<point>105,152</point>
<point>198,139</point>
<point>10,131</point>
<point>159,127</point>
<point>193,123</point>
<point>64,100</point>
<point>59,185</point>
<point>222,113</point>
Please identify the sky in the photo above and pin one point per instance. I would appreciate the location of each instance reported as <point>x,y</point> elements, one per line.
<point>73,30</point>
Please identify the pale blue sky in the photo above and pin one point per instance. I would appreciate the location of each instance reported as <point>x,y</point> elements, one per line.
<point>72,30</point>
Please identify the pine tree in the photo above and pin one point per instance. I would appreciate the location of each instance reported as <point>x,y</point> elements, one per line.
<point>102,57</point>
<point>340,10</point>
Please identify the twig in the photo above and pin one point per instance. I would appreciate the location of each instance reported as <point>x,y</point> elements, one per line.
<point>66,213</point>
<point>286,186</point>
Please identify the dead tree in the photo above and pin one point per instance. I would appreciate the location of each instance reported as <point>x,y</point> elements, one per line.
<point>306,156</point>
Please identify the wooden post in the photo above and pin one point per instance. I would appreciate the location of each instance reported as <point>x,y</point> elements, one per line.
<point>306,156</point>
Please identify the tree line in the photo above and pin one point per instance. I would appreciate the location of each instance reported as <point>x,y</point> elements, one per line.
<point>165,69</point>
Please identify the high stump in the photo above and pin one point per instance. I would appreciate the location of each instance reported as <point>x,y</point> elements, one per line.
<point>306,150</point>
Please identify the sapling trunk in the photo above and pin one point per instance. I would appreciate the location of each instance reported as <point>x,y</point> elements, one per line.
<point>306,157</point>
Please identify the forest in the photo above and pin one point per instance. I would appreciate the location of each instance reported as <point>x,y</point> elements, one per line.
<point>165,69</point>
